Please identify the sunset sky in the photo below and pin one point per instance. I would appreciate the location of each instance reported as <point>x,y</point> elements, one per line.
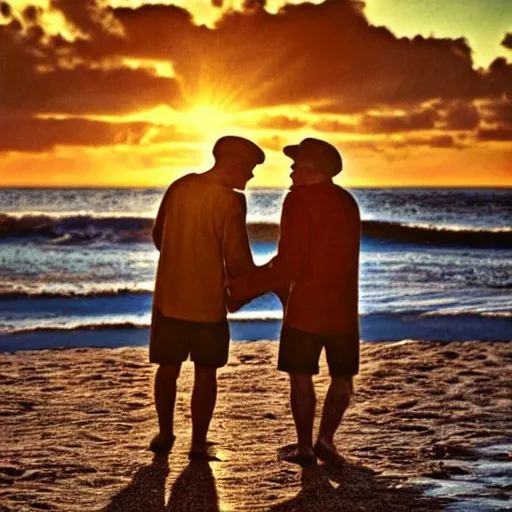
<point>134,93</point>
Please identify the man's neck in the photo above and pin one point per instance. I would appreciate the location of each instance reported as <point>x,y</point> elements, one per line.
<point>216,174</point>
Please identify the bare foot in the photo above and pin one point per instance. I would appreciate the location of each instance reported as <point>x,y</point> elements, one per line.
<point>162,442</point>
<point>291,453</point>
<point>205,452</point>
<point>327,452</point>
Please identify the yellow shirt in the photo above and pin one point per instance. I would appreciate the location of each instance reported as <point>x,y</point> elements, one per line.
<point>201,233</point>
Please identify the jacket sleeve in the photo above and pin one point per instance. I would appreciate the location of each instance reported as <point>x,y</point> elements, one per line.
<point>235,240</point>
<point>158,226</point>
<point>279,273</point>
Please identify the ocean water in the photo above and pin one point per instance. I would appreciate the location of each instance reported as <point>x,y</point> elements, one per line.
<point>77,266</point>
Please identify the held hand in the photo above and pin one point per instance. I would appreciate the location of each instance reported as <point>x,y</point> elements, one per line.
<point>234,288</point>
<point>282,294</point>
<point>232,304</point>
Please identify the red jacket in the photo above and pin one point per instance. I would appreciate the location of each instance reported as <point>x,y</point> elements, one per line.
<point>317,261</point>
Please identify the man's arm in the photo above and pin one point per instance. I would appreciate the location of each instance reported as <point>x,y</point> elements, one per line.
<point>158,226</point>
<point>286,266</point>
<point>235,241</point>
<point>236,249</point>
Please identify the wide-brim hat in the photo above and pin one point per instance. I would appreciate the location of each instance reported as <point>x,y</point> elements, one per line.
<point>231,144</point>
<point>324,157</point>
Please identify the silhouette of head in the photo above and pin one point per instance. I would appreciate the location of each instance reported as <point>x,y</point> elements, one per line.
<point>317,156</point>
<point>238,157</point>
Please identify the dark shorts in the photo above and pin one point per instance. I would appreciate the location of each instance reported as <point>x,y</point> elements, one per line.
<point>299,352</point>
<point>172,341</point>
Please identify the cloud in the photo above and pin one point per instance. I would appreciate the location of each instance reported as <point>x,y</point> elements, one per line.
<point>462,116</point>
<point>48,74</point>
<point>433,141</point>
<point>38,77</point>
<point>90,17</point>
<point>327,56</point>
<point>5,9</point>
<point>381,123</point>
<point>35,134</point>
<point>32,14</point>
<point>507,41</point>
<point>333,125</point>
<point>495,134</point>
<point>500,113</point>
<point>499,79</point>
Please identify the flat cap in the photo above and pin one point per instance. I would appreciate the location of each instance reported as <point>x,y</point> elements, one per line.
<point>326,158</point>
<point>231,144</point>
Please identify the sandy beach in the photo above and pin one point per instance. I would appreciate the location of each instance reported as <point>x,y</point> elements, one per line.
<point>76,423</point>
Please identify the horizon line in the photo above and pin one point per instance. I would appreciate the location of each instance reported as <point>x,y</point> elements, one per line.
<point>284,187</point>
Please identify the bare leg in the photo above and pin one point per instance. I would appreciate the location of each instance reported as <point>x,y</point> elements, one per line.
<point>303,402</point>
<point>335,405</point>
<point>165,396</point>
<point>204,396</point>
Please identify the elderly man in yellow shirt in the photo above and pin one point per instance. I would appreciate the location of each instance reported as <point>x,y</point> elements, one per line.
<point>200,231</point>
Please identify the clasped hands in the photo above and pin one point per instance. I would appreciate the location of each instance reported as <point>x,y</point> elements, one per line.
<point>233,293</point>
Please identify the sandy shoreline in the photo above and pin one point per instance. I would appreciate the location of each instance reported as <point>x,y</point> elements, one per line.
<point>76,423</point>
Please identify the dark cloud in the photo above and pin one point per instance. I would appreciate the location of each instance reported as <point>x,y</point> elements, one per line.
<point>332,125</point>
<point>385,146</point>
<point>378,123</point>
<point>327,56</point>
<point>500,113</point>
<point>35,134</point>
<point>5,9</point>
<point>40,75</point>
<point>305,53</point>
<point>91,17</point>
<point>462,116</point>
<point>507,41</point>
<point>254,5</point>
<point>433,141</point>
<point>495,134</point>
<point>499,78</point>
<point>442,141</point>
<point>31,14</point>
<point>83,90</point>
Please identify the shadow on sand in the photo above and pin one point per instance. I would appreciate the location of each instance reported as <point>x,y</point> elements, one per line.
<point>193,490</point>
<point>146,491</point>
<point>353,488</point>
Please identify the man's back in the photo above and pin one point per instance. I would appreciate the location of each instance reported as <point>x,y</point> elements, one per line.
<point>324,297</point>
<point>200,231</point>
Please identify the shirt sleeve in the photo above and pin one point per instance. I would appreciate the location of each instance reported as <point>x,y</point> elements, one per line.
<point>287,265</point>
<point>235,240</point>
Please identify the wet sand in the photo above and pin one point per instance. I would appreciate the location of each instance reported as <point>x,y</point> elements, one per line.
<point>75,425</point>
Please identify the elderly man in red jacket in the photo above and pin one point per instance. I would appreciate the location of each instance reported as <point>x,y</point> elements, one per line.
<point>317,265</point>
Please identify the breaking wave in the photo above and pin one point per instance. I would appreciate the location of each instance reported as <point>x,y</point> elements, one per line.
<point>86,229</point>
